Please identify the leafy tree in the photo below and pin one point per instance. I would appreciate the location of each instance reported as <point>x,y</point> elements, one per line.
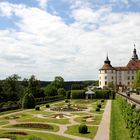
<point>58,82</point>
<point>28,101</point>
<point>111,85</point>
<point>75,86</point>
<point>61,91</point>
<point>136,82</point>
<point>50,90</point>
<point>10,88</point>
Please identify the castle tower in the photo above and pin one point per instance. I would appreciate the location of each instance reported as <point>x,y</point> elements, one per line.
<point>106,74</point>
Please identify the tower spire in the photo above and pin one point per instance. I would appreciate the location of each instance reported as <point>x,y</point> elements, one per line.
<point>135,56</point>
<point>107,61</point>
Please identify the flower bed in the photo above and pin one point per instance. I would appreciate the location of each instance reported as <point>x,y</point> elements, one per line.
<point>35,125</point>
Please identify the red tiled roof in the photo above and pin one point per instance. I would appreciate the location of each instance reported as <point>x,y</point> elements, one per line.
<point>121,68</point>
<point>107,67</point>
<point>132,65</point>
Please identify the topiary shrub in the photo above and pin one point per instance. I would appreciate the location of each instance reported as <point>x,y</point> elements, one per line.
<point>102,100</point>
<point>97,109</point>
<point>83,129</point>
<point>37,107</point>
<point>99,105</point>
<point>47,105</point>
<point>66,101</point>
<point>28,101</point>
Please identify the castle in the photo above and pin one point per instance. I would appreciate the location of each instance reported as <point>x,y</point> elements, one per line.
<point>121,76</point>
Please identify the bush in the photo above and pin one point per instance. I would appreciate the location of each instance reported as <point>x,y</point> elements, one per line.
<point>37,108</point>
<point>83,129</point>
<point>102,100</point>
<point>47,105</point>
<point>97,109</point>
<point>61,91</point>
<point>99,105</point>
<point>66,101</point>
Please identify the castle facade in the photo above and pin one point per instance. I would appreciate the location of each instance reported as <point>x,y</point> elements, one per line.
<point>120,76</point>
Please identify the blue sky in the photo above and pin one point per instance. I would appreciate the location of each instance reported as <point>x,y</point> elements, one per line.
<point>64,37</point>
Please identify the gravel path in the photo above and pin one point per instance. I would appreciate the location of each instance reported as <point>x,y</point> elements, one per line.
<point>104,127</point>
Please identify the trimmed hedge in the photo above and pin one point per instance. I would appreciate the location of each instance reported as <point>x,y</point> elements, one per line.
<point>10,105</point>
<point>131,116</point>
<point>49,99</point>
<point>105,94</point>
<point>78,94</point>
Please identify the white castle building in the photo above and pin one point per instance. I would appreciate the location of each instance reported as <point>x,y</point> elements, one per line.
<point>121,76</point>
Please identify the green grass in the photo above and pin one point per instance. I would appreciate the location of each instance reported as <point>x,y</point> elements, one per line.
<point>73,130</point>
<point>10,111</point>
<point>118,130</point>
<point>2,122</point>
<point>43,136</point>
<point>50,120</point>
<point>41,111</point>
<point>97,112</point>
<point>94,122</point>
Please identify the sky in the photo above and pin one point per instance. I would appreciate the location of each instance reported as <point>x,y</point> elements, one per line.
<point>68,38</point>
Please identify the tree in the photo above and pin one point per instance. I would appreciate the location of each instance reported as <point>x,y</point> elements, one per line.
<point>28,101</point>
<point>61,91</point>
<point>136,82</point>
<point>10,88</point>
<point>58,82</point>
<point>33,85</point>
<point>75,86</point>
<point>111,85</point>
<point>50,90</point>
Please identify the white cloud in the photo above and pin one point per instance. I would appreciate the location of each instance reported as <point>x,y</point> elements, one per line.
<point>42,3</point>
<point>45,46</point>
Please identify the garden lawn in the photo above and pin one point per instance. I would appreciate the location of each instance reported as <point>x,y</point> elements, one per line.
<point>73,130</point>
<point>43,136</point>
<point>97,112</point>
<point>50,120</point>
<point>2,122</point>
<point>118,130</point>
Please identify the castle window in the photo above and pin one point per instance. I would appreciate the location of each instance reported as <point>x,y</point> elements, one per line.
<point>128,78</point>
<point>128,83</point>
<point>132,77</point>
<point>105,82</point>
<point>105,77</point>
<point>100,82</point>
<point>128,72</point>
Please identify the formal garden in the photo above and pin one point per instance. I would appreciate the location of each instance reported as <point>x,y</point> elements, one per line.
<point>47,122</point>
<point>31,110</point>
